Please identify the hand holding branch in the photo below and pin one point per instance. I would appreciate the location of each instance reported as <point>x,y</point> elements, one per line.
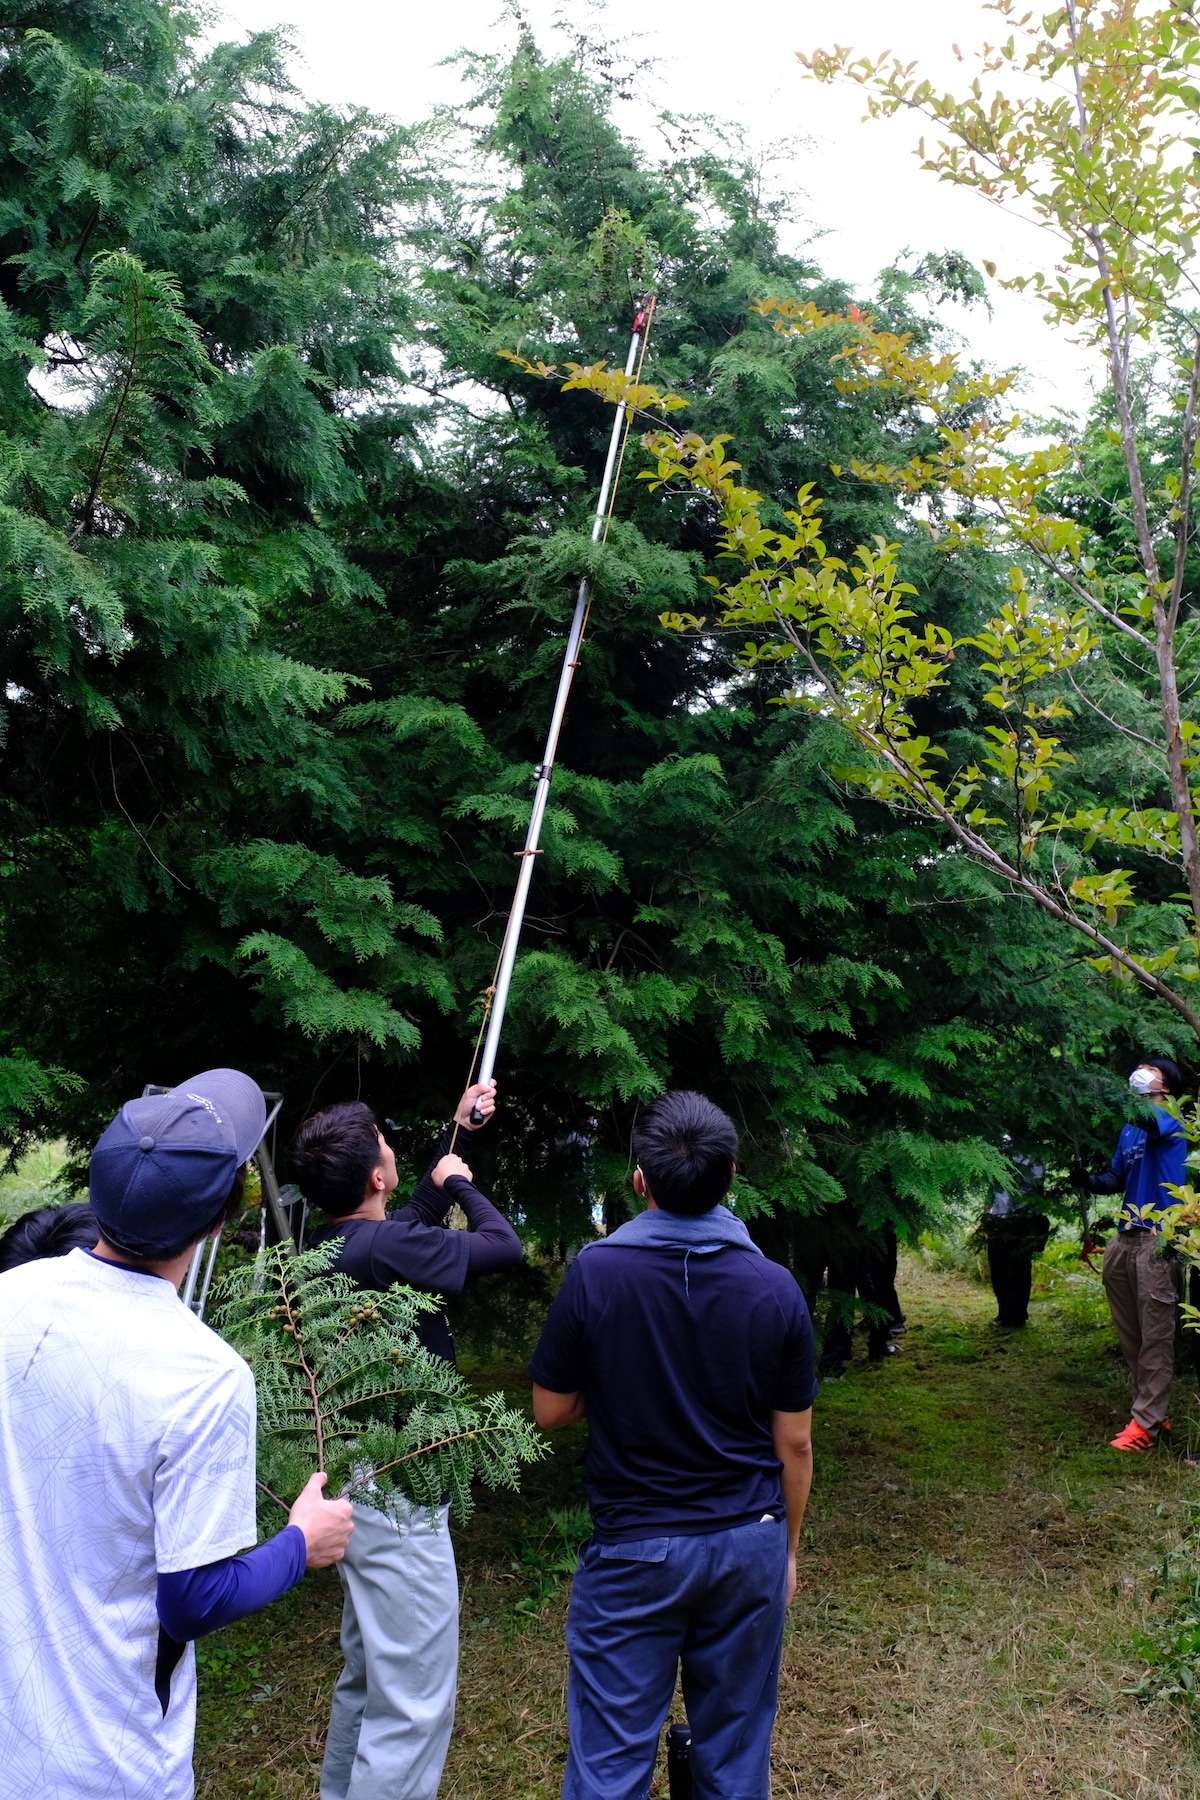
<point>326,1524</point>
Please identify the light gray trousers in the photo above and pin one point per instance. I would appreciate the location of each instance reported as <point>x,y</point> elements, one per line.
<point>393,1706</point>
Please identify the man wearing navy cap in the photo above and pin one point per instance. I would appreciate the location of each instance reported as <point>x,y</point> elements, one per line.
<point>127,1466</point>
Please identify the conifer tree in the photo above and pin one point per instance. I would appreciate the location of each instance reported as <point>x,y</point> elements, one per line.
<point>289,550</point>
<point>194,292</point>
<point>744,924</point>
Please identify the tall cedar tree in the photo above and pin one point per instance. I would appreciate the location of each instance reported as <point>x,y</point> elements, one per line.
<point>288,550</point>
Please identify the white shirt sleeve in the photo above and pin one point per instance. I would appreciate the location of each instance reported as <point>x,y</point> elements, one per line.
<point>204,1482</point>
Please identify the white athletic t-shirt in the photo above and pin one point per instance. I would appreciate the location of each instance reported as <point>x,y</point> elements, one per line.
<point>126,1451</point>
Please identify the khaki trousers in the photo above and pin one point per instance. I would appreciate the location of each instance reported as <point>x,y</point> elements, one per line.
<point>1144,1289</point>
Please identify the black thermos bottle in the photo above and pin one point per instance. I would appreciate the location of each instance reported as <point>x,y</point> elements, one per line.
<point>679,1761</point>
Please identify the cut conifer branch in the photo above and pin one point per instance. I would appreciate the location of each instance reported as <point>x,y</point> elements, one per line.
<point>345,1386</point>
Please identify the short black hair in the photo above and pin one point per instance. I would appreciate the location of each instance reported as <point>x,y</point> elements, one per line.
<point>332,1156</point>
<point>48,1231</point>
<point>686,1148</point>
<point>1170,1071</point>
<point>231,1207</point>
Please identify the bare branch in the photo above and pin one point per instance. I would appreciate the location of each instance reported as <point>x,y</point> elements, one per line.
<point>1125,730</point>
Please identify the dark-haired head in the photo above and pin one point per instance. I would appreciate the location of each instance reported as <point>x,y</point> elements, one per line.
<point>1170,1071</point>
<point>333,1154</point>
<point>47,1231</point>
<point>686,1149</point>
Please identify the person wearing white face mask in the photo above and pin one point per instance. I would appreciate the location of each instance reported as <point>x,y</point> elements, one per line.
<point>1142,1280</point>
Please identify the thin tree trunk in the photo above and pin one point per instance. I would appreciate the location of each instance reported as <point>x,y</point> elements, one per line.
<point>1164,620</point>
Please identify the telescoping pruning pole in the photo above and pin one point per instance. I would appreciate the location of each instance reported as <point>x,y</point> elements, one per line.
<point>545,769</point>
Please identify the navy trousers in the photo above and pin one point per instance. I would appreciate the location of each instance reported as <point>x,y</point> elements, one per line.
<point>711,1607</point>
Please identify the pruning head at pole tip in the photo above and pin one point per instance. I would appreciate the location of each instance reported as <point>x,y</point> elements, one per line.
<point>644,308</point>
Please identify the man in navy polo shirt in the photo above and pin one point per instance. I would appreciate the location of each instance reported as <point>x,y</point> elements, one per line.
<point>691,1357</point>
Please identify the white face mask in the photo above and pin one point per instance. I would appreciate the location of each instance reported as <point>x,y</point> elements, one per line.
<point>1145,1081</point>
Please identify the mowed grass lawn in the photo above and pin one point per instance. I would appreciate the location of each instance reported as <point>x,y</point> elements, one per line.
<point>977,1564</point>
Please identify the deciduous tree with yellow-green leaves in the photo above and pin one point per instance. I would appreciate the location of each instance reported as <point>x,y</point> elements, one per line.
<point>1097,638</point>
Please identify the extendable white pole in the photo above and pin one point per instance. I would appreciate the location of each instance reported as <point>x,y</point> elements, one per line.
<point>545,769</point>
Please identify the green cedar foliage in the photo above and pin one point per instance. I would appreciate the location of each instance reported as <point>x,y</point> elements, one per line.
<point>710,908</point>
<point>30,1090</point>
<point>289,550</point>
<point>344,1386</point>
<point>196,293</point>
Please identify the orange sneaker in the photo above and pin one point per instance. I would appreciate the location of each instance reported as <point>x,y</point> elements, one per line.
<point>1136,1437</point>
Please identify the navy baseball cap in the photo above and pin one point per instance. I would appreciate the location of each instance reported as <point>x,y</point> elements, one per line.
<point>164,1168</point>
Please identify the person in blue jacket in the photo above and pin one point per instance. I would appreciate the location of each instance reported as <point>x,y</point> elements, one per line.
<point>1142,1279</point>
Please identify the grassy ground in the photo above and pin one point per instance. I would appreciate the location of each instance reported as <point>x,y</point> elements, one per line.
<point>37,1179</point>
<point>978,1568</point>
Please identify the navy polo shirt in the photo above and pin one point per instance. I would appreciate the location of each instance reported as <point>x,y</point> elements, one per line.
<point>682,1359</point>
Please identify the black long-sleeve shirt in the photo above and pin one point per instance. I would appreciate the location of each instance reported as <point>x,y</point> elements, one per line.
<point>414,1245</point>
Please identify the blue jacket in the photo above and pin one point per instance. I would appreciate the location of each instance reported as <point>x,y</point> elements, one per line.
<point>1147,1157</point>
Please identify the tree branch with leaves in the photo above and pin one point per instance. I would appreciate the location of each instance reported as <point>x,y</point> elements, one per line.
<point>344,1386</point>
<point>1108,170</point>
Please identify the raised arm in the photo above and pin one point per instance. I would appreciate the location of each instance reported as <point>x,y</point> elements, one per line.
<point>491,1241</point>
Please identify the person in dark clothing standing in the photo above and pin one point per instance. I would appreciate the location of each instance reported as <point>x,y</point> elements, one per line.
<point>878,1262</point>
<point>691,1356</point>
<point>1144,1285</point>
<point>393,1707</point>
<point>1014,1232</point>
<point>841,1256</point>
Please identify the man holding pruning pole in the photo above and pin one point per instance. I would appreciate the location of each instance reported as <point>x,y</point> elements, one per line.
<point>691,1357</point>
<point>393,1706</point>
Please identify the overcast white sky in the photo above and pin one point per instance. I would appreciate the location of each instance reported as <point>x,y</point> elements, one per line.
<point>858,184</point>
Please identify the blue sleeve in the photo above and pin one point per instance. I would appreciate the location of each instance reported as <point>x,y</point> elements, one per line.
<point>1170,1142</point>
<point>1107,1183</point>
<point>559,1363</point>
<point>1159,1123</point>
<point>193,1602</point>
